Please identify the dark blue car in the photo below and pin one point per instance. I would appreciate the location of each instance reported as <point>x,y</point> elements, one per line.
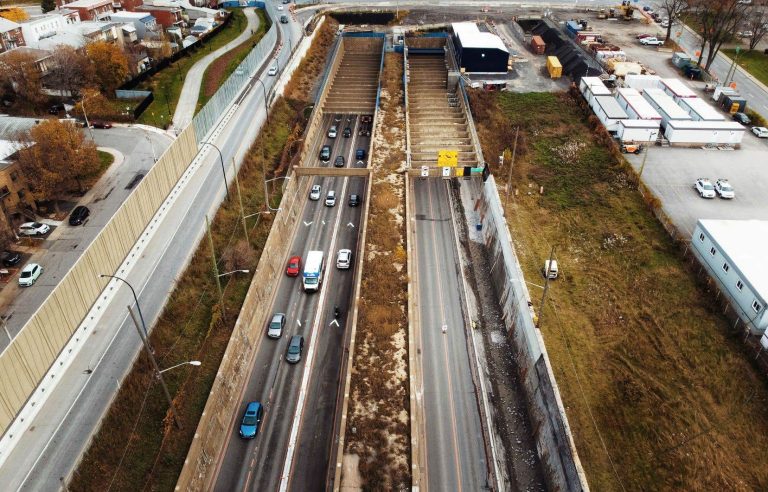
<point>249,426</point>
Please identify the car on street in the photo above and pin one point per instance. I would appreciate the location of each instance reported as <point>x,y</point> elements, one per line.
<point>249,426</point>
<point>101,124</point>
<point>314,194</point>
<point>339,162</point>
<point>283,19</point>
<point>643,35</point>
<point>344,259</point>
<point>332,132</point>
<point>325,153</point>
<point>34,229</point>
<point>56,108</point>
<point>665,23</point>
<point>724,189</point>
<point>30,274</point>
<point>347,132</point>
<point>79,215</point>
<point>295,347</point>
<point>330,199</point>
<point>360,154</point>
<point>276,325</point>
<point>280,7</point>
<point>10,258</point>
<point>742,118</point>
<point>704,188</point>
<point>294,266</point>
<point>354,200</point>
<point>651,41</point>
<point>760,131</point>
<point>272,70</point>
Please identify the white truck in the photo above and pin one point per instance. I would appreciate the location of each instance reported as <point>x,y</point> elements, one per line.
<point>313,271</point>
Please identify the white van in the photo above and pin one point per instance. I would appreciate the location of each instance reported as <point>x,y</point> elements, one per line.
<point>344,259</point>
<point>550,269</point>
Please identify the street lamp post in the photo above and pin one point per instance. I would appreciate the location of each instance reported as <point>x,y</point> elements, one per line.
<point>266,192</point>
<point>190,362</point>
<point>223,171</point>
<point>266,108</point>
<point>135,299</point>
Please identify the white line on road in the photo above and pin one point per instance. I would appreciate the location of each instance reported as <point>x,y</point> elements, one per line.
<point>334,322</point>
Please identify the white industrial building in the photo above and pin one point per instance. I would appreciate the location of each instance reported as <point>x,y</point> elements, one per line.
<point>638,130</point>
<point>734,254</point>
<point>608,111</point>
<point>635,105</point>
<point>665,106</point>
<point>700,110</point>
<point>704,132</point>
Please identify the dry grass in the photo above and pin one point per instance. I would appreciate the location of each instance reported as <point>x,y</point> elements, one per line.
<point>379,401</point>
<point>138,447</point>
<point>635,342</point>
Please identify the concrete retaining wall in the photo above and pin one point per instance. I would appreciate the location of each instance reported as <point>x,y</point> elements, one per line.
<point>554,441</point>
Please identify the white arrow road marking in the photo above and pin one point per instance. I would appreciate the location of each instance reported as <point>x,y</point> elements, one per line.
<point>334,322</point>
<point>323,222</point>
<point>298,322</point>
<point>350,225</point>
<point>309,223</point>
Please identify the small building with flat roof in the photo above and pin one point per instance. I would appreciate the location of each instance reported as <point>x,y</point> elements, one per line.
<point>478,51</point>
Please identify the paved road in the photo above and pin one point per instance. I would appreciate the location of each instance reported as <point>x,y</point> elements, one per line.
<point>257,464</point>
<point>59,433</point>
<point>62,248</point>
<point>185,108</point>
<point>456,458</point>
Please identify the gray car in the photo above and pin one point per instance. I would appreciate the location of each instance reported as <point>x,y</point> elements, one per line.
<point>295,347</point>
<point>275,327</point>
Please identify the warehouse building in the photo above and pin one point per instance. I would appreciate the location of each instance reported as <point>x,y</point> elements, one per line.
<point>733,252</point>
<point>477,51</point>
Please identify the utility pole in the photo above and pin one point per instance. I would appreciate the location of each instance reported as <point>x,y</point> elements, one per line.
<point>546,287</point>
<point>240,200</point>
<point>157,369</point>
<point>215,266</point>
<point>511,163</point>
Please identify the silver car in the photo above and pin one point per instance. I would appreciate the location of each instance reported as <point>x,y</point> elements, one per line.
<point>314,194</point>
<point>275,327</point>
<point>34,229</point>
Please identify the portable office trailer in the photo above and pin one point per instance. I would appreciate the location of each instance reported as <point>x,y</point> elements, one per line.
<point>637,130</point>
<point>591,87</point>
<point>676,88</point>
<point>700,110</point>
<point>665,106</point>
<point>703,132</point>
<point>642,82</point>
<point>635,105</point>
<point>608,111</point>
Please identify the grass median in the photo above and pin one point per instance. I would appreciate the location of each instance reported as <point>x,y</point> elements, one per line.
<point>659,394</point>
<point>753,61</point>
<point>138,447</point>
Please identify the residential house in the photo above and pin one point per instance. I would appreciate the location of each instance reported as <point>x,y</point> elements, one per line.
<point>91,9</point>
<point>42,57</point>
<point>42,27</point>
<point>11,35</point>
<point>144,22</point>
<point>17,203</point>
<point>167,16</point>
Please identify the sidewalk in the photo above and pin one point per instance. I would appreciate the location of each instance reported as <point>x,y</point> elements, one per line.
<point>185,108</point>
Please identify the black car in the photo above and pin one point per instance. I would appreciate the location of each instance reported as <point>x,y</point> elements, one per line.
<point>325,153</point>
<point>79,215</point>
<point>56,108</point>
<point>284,19</point>
<point>742,118</point>
<point>354,200</point>
<point>10,258</point>
<point>347,132</point>
<point>360,154</point>
<point>339,162</point>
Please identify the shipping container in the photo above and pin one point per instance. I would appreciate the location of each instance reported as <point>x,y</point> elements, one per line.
<point>637,130</point>
<point>680,59</point>
<point>722,90</point>
<point>572,27</point>
<point>635,105</point>
<point>665,106</point>
<point>704,132</point>
<point>538,46</point>
<point>608,111</point>
<point>554,68</point>
<point>642,82</point>
<point>700,110</point>
<point>676,88</point>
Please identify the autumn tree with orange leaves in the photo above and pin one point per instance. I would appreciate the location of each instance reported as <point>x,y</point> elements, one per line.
<point>110,63</point>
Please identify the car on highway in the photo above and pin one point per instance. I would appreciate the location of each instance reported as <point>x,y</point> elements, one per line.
<point>34,229</point>
<point>10,258</point>
<point>339,162</point>
<point>360,154</point>
<point>344,259</point>
<point>325,153</point>
<point>294,266</point>
<point>79,215</point>
<point>347,132</point>
<point>104,125</point>
<point>272,70</point>
<point>704,188</point>
<point>330,199</point>
<point>280,7</point>
<point>742,118</point>
<point>295,347</point>
<point>276,325</point>
<point>333,131</point>
<point>724,189</point>
<point>314,194</point>
<point>249,426</point>
<point>651,41</point>
<point>760,131</point>
<point>286,2</point>
<point>354,200</point>
<point>283,19</point>
<point>30,274</point>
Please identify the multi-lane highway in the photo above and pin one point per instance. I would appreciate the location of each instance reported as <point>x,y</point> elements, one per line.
<point>455,455</point>
<point>259,463</point>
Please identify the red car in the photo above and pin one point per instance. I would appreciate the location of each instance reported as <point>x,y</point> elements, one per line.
<point>104,125</point>
<point>644,35</point>
<point>294,265</point>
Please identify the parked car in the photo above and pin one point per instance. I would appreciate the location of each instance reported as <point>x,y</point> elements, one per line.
<point>294,266</point>
<point>280,7</point>
<point>295,347</point>
<point>314,195</point>
<point>724,189</point>
<point>354,200</point>
<point>79,215</point>
<point>272,71</point>
<point>332,131</point>
<point>56,108</point>
<point>249,426</point>
<point>330,199</point>
<point>344,259</point>
<point>665,23</point>
<point>643,35</point>
<point>651,41</point>
<point>104,125</point>
<point>742,118</point>
<point>34,229</point>
<point>704,187</point>
<point>276,325</point>
<point>339,162</point>
<point>325,153</point>
<point>760,131</point>
<point>30,274</point>
<point>347,132</point>
<point>10,258</point>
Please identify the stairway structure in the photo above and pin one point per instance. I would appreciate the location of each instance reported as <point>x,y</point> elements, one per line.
<point>353,89</point>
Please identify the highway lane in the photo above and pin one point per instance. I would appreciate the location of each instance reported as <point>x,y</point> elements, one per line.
<point>455,455</point>
<point>257,464</point>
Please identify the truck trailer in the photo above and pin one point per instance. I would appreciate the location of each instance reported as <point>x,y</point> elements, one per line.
<point>313,271</point>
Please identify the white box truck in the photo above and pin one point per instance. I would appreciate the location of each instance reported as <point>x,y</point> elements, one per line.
<point>313,271</point>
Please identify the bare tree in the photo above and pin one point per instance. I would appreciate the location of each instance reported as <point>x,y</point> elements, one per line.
<point>757,22</point>
<point>71,70</point>
<point>20,72</point>
<point>717,20</point>
<point>672,10</point>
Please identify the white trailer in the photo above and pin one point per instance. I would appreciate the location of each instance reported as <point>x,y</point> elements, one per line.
<point>721,89</point>
<point>676,89</point>
<point>642,82</point>
<point>637,130</point>
<point>313,271</point>
<point>635,105</point>
<point>609,112</point>
<point>703,132</point>
<point>591,87</point>
<point>700,110</point>
<point>665,106</point>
